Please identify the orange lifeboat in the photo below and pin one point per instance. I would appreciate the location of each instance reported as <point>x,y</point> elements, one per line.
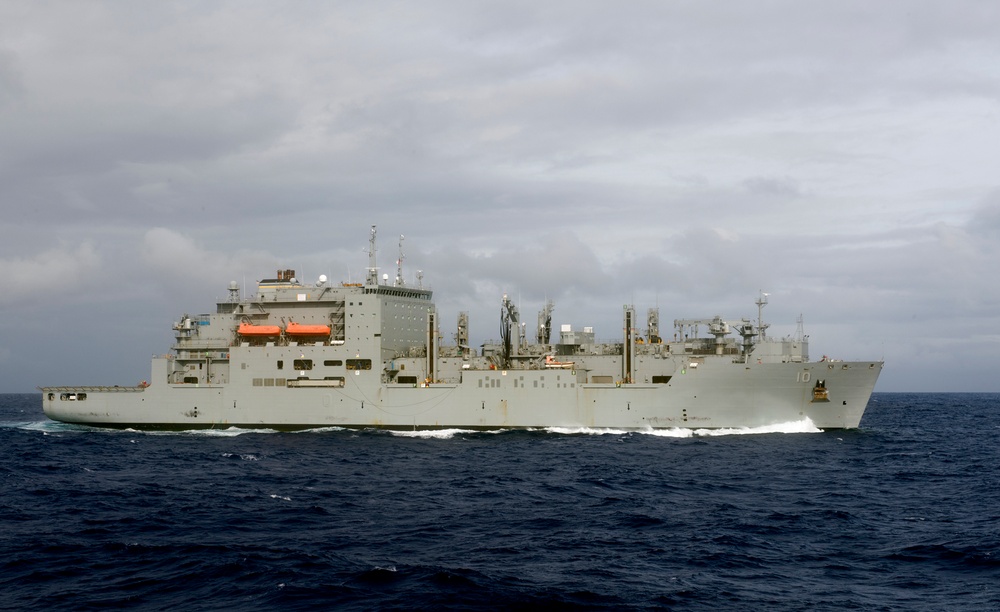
<point>301,329</point>
<point>550,362</point>
<point>247,329</point>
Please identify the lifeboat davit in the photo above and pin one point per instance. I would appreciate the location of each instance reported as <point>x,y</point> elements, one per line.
<point>301,329</point>
<point>247,329</point>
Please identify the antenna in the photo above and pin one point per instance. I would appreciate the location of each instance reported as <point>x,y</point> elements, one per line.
<point>372,267</point>
<point>399,264</point>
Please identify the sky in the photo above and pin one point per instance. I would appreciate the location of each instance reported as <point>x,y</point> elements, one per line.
<point>683,155</point>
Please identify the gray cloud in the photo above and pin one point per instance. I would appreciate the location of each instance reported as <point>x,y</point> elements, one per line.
<point>678,155</point>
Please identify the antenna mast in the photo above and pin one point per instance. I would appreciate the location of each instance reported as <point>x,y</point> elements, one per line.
<point>372,267</point>
<point>761,326</point>
<point>399,264</point>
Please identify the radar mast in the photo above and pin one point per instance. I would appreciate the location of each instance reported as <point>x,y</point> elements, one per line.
<point>761,326</point>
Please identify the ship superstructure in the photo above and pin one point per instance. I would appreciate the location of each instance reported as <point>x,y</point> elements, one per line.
<point>303,355</point>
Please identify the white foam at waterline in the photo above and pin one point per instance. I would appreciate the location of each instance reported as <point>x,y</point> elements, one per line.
<point>50,427</point>
<point>219,433</point>
<point>23,425</point>
<point>673,432</point>
<point>319,429</point>
<point>441,434</point>
<point>804,426</point>
<point>592,431</point>
<point>281,497</point>
<point>46,426</point>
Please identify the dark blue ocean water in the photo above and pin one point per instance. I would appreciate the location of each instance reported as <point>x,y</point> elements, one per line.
<point>903,514</point>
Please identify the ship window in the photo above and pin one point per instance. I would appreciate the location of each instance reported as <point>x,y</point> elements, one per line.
<point>412,380</point>
<point>279,382</point>
<point>359,364</point>
<point>661,380</point>
<point>281,364</point>
<point>302,364</point>
<point>334,381</point>
<point>333,362</point>
<point>191,380</point>
<point>258,382</point>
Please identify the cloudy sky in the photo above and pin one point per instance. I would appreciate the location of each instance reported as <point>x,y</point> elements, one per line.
<point>841,156</point>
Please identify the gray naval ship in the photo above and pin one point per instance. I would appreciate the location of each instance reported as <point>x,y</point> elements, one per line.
<point>357,355</point>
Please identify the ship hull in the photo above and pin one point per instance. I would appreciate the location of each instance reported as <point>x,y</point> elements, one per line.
<point>718,394</point>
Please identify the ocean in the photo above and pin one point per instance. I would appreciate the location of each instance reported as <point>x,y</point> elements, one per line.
<point>901,514</point>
